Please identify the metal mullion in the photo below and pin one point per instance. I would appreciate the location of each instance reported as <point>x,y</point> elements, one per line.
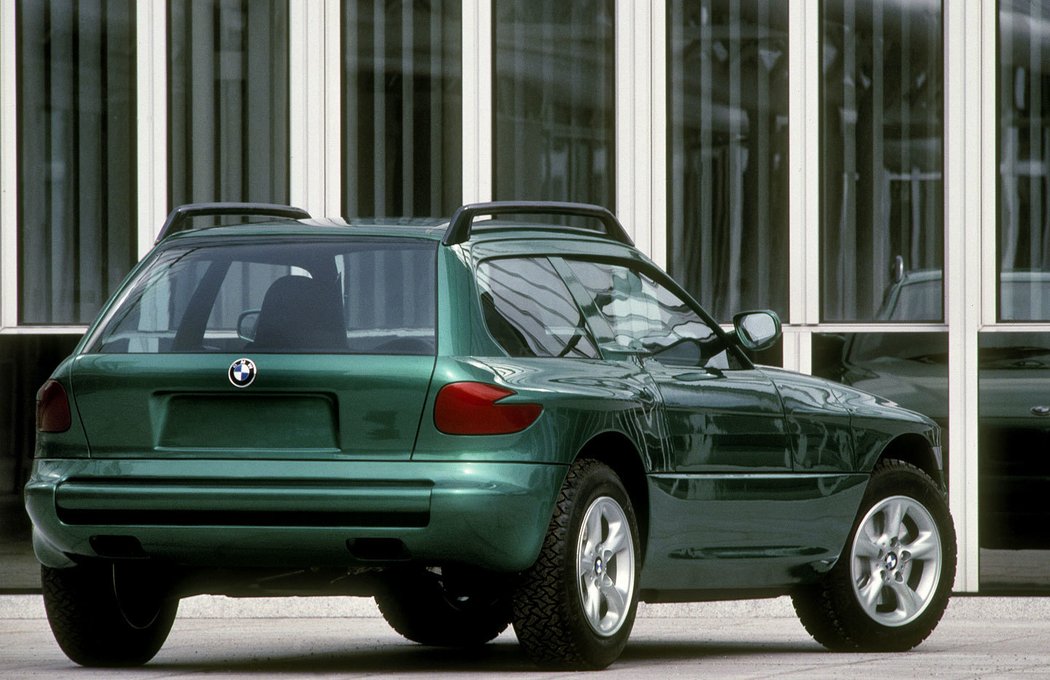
<point>804,235</point>
<point>8,169</point>
<point>654,75</point>
<point>963,203</point>
<point>478,95</point>
<point>151,142</point>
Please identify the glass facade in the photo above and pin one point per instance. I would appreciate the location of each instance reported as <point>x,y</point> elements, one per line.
<point>1024,161</point>
<point>76,156</point>
<point>869,249</point>
<point>402,108</point>
<point>728,138</point>
<point>555,124</point>
<point>1014,435</point>
<point>227,101</point>
<point>882,128</point>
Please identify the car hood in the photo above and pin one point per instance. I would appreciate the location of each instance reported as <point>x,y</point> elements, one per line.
<point>851,398</point>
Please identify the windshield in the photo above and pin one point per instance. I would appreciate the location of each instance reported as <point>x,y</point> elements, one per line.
<point>342,296</point>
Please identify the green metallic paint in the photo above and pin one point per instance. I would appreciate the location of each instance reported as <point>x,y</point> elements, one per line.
<point>300,405</point>
<point>747,531</point>
<point>818,423</point>
<point>581,399</point>
<point>490,515</point>
<point>355,435</point>
<point>729,420</point>
<point>873,423</point>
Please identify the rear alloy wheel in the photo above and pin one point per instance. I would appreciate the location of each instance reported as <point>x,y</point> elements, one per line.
<point>889,590</point>
<point>107,615</point>
<point>420,607</point>
<point>575,606</point>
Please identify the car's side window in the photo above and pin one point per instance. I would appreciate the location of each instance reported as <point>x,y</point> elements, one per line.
<point>643,314</point>
<point>529,311</point>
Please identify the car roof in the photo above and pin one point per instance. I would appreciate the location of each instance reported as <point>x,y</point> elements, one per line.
<point>413,228</point>
<point>463,227</point>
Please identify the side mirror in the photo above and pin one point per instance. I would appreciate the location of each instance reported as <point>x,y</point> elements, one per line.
<point>246,325</point>
<point>757,330</point>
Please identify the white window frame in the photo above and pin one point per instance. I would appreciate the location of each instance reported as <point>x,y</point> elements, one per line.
<point>8,170</point>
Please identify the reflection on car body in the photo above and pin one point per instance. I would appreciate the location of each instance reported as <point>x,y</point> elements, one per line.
<point>477,422</point>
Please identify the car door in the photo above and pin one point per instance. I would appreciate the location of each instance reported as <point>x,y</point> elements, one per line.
<point>726,507</point>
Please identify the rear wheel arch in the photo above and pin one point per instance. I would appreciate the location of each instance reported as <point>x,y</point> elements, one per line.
<point>617,451</point>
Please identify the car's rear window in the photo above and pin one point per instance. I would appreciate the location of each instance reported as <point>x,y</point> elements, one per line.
<point>360,296</point>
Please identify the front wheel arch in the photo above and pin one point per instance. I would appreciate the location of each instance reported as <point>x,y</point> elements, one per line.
<point>915,450</point>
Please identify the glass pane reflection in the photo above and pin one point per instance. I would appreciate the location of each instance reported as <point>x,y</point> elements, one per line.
<point>1024,155</point>
<point>402,102</point>
<point>1014,468</point>
<point>228,101</point>
<point>76,156</point>
<point>910,369</point>
<point>728,137</point>
<point>882,121</point>
<point>554,122</point>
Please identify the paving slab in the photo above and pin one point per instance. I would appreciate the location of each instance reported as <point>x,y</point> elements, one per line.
<point>217,637</point>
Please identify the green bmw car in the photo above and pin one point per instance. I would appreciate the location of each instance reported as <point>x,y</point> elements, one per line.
<point>512,417</point>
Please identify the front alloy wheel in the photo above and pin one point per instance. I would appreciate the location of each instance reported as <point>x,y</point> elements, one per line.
<point>892,584</point>
<point>896,561</point>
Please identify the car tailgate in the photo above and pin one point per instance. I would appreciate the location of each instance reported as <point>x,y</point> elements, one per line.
<point>313,406</point>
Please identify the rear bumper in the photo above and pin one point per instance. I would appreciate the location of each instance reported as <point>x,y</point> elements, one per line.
<point>225,513</point>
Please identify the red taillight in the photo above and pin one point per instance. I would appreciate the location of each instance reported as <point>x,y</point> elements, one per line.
<point>474,408</point>
<point>52,408</point>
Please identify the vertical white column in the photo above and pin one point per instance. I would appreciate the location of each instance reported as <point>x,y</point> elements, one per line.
<point>315,106</point>
<point>151,95</point>
<point>803,182</point>
<point>332,102</point>
<point>477,101</point>
<point>963,198</point>
<point>640,106</point>
<point>8,169</point>
<point>656,77</point>
<point>989,163</point>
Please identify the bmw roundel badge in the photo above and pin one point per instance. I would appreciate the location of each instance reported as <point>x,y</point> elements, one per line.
<point>242,372</point>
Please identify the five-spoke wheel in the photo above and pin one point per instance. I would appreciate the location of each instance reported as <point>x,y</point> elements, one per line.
<point>606,570</point>
<point>891,587</point>
<point>896,560</point>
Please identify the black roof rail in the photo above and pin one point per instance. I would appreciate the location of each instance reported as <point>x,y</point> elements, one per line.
<point>463,219</point>
<point>180,216</point>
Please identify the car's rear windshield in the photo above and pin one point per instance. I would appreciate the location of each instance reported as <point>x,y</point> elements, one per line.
<point>338,296</point>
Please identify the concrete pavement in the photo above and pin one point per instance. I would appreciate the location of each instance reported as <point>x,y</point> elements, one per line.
<point>980,637</point>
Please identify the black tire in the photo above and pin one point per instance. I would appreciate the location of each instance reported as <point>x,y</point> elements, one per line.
<point>422,609</point>
<point>104,615</point>
<point>550,614</point>
<point>908,594</point>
